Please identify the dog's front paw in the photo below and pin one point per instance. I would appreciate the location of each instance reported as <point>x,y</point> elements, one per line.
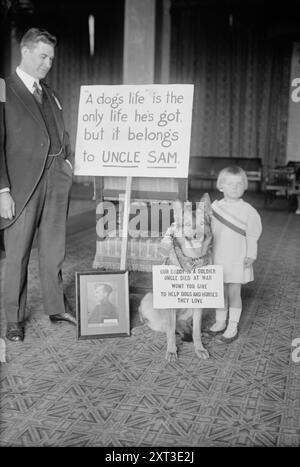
<point>202,353</point>
<point>171,355</point>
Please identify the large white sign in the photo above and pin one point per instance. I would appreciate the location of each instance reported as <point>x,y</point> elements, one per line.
<point>175,288</point>
<point>134,130</point>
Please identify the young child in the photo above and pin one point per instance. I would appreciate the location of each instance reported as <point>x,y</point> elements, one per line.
<point>236,228</point>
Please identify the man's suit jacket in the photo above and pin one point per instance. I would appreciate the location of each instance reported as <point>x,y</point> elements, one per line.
<point>26,142</point>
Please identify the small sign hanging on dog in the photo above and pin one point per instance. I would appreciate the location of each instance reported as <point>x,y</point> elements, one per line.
<point>175,288</point>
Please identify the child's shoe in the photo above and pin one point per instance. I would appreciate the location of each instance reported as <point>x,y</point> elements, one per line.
<point>228,340</point>
<point>217,328</point>
<point>231,333</point>
<point>220,324</point>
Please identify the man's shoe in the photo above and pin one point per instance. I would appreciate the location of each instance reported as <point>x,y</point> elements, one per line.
<point>15,332</point>
<point>63,317</point>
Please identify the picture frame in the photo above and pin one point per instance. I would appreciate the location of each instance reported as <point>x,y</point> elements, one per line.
<point>102,304</point>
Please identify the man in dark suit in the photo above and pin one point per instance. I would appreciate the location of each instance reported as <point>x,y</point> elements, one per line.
<point>35,183</point>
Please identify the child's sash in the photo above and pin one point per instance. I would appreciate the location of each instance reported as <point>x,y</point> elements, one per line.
<point>228,224</point>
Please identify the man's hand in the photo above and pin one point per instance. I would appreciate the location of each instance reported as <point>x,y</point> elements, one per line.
<point>7,205</point>
<point>248,261</point>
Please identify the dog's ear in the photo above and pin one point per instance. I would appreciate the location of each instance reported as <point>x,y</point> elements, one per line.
<point>205,199</point>
<point>178,211</point>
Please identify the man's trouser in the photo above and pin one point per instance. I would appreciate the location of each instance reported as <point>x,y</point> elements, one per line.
<point>46,214</point>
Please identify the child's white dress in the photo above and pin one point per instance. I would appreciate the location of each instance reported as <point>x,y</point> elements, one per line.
<point>236,228</point>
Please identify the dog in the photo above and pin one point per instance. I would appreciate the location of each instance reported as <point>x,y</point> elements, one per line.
<point>190,250</point>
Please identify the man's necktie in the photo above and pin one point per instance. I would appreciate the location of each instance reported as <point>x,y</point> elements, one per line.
<point>38,94</point>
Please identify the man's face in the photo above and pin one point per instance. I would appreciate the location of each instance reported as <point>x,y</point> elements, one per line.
<point>37,60</point>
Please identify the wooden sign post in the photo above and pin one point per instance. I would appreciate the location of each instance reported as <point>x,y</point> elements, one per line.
<point>125,224</point>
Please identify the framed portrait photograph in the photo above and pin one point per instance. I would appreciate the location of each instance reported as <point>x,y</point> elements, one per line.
<point>102,304</point>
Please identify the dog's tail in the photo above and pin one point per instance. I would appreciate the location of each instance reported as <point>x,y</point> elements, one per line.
<point>155,319</point>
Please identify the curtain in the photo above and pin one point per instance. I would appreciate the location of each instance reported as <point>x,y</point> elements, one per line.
<point>241,78</point>
<point>74,66</point>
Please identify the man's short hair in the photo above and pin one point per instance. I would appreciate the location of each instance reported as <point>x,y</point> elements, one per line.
<point>35,35</point>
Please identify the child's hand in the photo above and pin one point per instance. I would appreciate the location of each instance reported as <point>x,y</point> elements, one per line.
<point>248,262</point>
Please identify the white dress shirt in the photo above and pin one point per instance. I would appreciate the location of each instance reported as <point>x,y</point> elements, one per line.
<point>28,80</point>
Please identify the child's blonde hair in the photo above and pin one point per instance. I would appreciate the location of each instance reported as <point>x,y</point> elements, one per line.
<point>233,170</point>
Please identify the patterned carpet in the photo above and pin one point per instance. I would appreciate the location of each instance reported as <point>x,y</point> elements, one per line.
<point>57,391</point>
